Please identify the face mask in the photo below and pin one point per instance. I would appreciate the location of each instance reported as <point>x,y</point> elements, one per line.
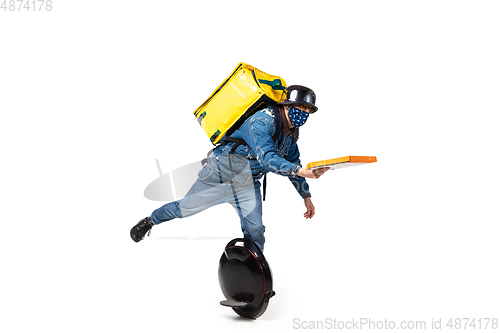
<point>297,116</point>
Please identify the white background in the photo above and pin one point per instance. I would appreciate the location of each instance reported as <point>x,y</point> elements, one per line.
<point>93,92</point>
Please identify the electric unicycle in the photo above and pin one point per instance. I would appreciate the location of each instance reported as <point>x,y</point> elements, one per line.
<point>245,278</point>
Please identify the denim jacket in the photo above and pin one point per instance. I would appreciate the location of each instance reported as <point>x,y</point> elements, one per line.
<point>264,155</point>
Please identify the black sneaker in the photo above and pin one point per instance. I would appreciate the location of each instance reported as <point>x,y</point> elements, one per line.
<point>138,232</point>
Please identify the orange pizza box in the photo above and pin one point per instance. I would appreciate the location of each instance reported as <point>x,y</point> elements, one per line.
<point>342,162</point>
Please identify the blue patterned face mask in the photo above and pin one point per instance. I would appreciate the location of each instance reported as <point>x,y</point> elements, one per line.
<point>297,116</point>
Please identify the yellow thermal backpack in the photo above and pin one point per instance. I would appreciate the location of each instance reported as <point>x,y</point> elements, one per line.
<point>245,91</point>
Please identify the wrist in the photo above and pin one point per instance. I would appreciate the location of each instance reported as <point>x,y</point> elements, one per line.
<point>301,172</point>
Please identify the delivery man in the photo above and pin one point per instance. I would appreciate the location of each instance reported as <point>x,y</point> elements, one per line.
<point>233,170</point>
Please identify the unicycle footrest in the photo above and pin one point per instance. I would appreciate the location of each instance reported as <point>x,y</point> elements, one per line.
<point>233,303</point>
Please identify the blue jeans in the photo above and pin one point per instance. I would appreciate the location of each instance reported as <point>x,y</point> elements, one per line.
<point>213,188</point>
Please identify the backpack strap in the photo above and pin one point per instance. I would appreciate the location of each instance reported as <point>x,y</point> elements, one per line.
<point>238,142</point>
<point>276,135</point>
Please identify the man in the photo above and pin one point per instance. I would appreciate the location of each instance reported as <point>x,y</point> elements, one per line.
<point>232,172</point>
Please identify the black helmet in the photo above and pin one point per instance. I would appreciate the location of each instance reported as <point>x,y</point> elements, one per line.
<point>300,95</point>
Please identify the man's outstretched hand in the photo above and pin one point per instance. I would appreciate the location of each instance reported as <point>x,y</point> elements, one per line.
<point>314,174</point>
